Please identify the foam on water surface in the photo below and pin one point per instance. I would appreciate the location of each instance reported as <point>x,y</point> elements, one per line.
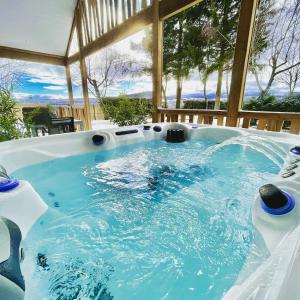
<point>146,221</point>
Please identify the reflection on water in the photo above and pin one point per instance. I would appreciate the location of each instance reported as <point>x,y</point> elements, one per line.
<point>147,221</point>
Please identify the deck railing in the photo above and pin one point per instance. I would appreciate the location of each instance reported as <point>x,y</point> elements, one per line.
<point>271,121</point>
<point>200,116</point>
<point>260,120</point>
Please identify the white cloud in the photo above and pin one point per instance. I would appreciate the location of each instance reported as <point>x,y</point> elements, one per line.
<point>54,77</point>
<point>35,97</point>
<point>41,73</point>
<point>55,87</point>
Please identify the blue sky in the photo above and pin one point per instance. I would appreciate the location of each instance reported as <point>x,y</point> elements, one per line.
<point>36,87</point>
<point>49,82</point>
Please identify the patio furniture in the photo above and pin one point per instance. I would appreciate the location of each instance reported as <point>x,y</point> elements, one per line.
<point>47,122</point>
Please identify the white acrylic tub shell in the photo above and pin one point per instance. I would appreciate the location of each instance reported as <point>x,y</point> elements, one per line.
<point>23,206</point>
<point>276,279</point>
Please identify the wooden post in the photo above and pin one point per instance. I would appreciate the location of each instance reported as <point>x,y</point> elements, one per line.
<point>83,71</point>
<point>123,11</point>
<point>157,50</point>
<point>112,17</point>
<point>144,3</point>
<point>102,16</point>
<point>134,7</point>
<point>200,119</point>
<point>129,8</point>
<point>69,84</point>
<point>107,16</point>
<point>295,126</point>
<point>117,11</point>
<point>241,58</point>
<point>246,123</point>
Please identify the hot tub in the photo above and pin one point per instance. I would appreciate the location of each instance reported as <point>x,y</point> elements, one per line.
<point>124,214</point>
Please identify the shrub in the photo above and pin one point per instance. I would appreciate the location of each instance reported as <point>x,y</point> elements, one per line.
<point>11,126</point>
<point>126,112</point>
<point>8,117</point>
<point>264,102</point>
<point>290,103</point>
<point>196,104</point>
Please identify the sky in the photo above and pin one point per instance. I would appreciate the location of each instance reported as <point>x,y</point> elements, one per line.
<point>40,81</point>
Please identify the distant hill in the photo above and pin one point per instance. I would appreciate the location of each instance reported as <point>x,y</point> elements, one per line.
<point>39,99</point>
<point>147,95</point>
<point>189,96</point>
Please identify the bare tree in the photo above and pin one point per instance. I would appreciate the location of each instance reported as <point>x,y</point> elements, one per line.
<point>105,69</point>
<point>284,47</point>
<point>291,77</point>
<point>10,74</point>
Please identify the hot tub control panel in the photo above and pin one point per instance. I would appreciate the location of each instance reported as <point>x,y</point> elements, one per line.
<point>291,168</point>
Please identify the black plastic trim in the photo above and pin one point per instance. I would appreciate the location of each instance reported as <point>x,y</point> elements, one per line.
<point>272,196</point>
<point>10,268</point>
<point>125,132</point>
<point>157,128</point>
<point>291,167</point>
<point>98,140</point>
<point>288,174</point>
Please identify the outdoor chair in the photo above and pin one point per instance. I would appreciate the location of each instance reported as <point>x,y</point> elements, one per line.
<point>47,122</point>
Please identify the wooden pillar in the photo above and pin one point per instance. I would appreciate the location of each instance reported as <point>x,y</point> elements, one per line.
<point>69,84</point>
<point>83,71</point>
<point>157,52</point>
<point>241,58</point>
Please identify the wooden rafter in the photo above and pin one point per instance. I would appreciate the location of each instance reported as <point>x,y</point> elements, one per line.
<point>129,27</point>
<point>123,10</point>
<point>38,57</point>
<point>169,8</point>
<point>72,30</point>
<point>132,24</point>
<point>116,3</point>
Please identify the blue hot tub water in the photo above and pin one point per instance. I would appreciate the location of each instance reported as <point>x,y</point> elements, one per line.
<point>146,221</point>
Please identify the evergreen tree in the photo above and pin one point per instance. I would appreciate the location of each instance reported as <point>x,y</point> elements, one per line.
<point>224,20</point>
<point>212,27</point>
<point>177,60</point>
<point>200,43</point>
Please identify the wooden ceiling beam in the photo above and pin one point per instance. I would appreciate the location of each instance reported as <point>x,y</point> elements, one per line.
<point>133,25</point>
<point>169,8</point>
<point>118,33</point>
<point>71,34</point>
<point>38,57</point>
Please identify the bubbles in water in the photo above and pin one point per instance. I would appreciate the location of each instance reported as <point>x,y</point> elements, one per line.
<point>148,221</point>
<point>79,280</point>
